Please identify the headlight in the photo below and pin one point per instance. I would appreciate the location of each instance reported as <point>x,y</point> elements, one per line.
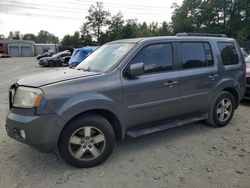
<point>26,97</point>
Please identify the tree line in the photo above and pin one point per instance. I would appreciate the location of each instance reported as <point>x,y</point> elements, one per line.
<point>41,37</point>
<point>230,17</point>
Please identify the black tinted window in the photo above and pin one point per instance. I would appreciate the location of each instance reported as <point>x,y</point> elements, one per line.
<point>228,53</point>
<point>156,58</point>
<point>195,54</point>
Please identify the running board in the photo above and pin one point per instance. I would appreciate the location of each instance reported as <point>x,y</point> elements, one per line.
<point>164,126</point>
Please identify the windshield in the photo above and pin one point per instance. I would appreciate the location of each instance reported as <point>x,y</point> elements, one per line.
<point>105,57</point>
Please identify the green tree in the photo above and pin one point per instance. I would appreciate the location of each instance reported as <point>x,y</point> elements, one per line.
<point>46,37</point>
<point>165,29</point>
<point>11,35</point>
<point>86,37</point>
<point>143,30</point>
<point>16,35</point>
<point>115,27</point>
<point>130,30</point>
<point>97,19</point>
<point>230,17</point>
<point>29,36</point>
<point>93,29</point>
<point>181,22</point>
<point>72,40</point>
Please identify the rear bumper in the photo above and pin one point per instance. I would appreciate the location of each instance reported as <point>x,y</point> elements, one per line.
<point>42,132</point>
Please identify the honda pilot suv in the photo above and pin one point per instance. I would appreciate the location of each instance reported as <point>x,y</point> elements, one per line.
<point>125,88</point>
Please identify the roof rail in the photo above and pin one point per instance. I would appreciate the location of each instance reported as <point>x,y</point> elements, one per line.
<point>200,35</point>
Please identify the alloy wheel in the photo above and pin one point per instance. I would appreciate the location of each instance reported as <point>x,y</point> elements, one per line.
<point>87,143</point>
<point>224,109</point>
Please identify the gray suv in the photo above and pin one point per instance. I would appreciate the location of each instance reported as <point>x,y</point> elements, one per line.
<point>125,88</point>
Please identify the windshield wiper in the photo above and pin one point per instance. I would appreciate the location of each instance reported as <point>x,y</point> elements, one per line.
<point>88,69</point>
<point>85,69</point>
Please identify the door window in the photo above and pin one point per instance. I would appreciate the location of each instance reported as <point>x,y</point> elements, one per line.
<point>156,58</point>
<point>195,54</point>
<point>228,53</point>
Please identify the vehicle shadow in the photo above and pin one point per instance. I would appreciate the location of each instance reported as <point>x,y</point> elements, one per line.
<point>52,161</point>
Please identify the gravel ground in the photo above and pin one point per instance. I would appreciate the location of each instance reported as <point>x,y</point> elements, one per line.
<point>194,155</point>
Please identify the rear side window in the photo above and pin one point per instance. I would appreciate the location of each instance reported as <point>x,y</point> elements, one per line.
<point>156,58</point>
<point>195,54</point>
<point>228,53</point>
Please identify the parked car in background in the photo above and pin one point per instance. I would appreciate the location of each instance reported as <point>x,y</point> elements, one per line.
<point>54,60</point>
<point>247,95</point>
<point>130,88</point>
<point>46,54</point>
<point>3,55</point>
<point>244,52</point>
<point>66,60</point>
<point>79,55</point>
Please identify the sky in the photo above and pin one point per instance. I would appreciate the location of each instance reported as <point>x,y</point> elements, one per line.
<point>62,17</point>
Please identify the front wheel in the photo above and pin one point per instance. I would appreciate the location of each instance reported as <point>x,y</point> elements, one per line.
<point>222,111</point>
<point>87,141</point>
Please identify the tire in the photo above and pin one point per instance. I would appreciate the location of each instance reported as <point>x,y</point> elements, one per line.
<point>51,64</point>
<point>215,117</point>
<point>95,145</point>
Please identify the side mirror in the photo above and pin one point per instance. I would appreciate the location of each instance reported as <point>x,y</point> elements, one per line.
<point>136,69</point>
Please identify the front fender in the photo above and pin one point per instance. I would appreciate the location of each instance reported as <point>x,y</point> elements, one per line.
<point>75,106</point>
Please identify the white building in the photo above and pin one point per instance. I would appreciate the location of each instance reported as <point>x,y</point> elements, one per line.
<point>17,48</point>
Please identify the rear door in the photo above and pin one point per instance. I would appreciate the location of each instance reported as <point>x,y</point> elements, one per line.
<point>152,96</point>
<point>198,76</point>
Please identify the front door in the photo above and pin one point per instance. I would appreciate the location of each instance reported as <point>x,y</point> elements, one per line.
<point>153,96</point>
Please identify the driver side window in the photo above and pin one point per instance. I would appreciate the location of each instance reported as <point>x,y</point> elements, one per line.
<point>156,57</point>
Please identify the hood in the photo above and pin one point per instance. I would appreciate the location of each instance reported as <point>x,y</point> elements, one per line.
<point>53,76</point>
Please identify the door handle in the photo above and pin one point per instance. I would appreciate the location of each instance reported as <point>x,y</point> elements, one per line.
<point>170,83</point>
<point>212,77</point>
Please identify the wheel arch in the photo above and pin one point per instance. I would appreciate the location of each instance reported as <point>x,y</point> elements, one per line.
<point>107,114</point>
<point>234,92</point>
<point>230,86</point>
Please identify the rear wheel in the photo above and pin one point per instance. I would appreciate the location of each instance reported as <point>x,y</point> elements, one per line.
<point>87,141</point>
<point>222,111</point>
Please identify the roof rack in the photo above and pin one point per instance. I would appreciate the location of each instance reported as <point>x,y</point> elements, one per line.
<point>200,35</point>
